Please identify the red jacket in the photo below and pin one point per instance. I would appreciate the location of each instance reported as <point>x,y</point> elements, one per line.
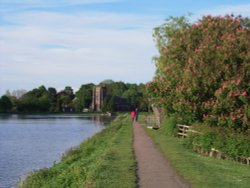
<point>132,114</point>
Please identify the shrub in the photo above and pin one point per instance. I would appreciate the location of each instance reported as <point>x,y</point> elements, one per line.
<point>169,126</point>
<point>203,70</point>
<point>232,144</point>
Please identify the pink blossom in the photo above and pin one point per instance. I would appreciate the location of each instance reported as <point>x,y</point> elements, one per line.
<point>233,118</point>
<point>237,94</point>
<point>238,80</point>
<point>218,91</point>
<point>233,81</point>
<point>225,84</point>
<point>244,93</point>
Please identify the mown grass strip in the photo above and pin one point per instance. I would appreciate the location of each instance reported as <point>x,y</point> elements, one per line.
<point>107,154</point>
<point>117,166</point>
<point>201,171</point>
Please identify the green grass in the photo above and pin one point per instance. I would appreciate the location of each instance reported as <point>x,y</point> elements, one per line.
<point>105,160</point>
<point>117,166</point>
<point>200,171</point>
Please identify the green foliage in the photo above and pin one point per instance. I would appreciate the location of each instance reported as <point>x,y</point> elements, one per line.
<point>78,107</point>
<point>169,126</point>
<point>164,33</point>
<point>106,82</point>
<point>84,97</point>
<point>97,162</point>
<point>5,104</point>
<point>49,100</point>
<point>116,88</point>
<point>134,95</point>
<point>37,100</point>
<point>53,97</point>
<point>203,70</point>
<point>109,105</point>
<point>230,143</point>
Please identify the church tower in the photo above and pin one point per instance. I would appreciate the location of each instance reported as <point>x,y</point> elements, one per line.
<point>99,94</point>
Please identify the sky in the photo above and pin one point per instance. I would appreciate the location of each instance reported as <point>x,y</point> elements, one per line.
<point>58,43</point>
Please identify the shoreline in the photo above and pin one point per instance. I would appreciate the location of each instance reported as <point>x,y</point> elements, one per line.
<point>80,166</point>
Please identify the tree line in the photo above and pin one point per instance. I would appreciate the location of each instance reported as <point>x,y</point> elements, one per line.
<point>44,99</point>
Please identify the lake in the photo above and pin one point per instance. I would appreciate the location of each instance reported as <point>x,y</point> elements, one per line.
<point>31,142</point>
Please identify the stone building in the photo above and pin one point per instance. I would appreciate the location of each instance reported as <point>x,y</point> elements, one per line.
<point>99,94</point>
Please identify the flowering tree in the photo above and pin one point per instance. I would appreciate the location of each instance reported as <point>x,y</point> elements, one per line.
<point>203,70</point>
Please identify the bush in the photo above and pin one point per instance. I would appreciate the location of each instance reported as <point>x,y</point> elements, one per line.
<point>169,126</point>
<point>203,70</point>
<point>231,144</point>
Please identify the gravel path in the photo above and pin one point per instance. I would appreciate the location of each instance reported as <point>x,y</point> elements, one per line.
<point>154,171</point>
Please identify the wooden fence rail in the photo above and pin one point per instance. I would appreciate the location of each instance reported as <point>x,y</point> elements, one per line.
<point>182,130</point>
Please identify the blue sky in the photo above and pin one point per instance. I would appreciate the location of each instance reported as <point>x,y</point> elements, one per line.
<point>72,42</point>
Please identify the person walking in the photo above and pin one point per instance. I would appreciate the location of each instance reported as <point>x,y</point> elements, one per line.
<point>136,114</point>
<point>132,115</point>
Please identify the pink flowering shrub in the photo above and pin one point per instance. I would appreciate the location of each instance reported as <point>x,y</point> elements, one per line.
<point>203,71</point>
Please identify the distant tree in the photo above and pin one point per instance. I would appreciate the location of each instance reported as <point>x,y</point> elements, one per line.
<point>69,92</point>
<point>131,94</point>
<point>65,100</point>
<point>37,100</point>
<point>7,93</point>
<point>49,100</point>
<point>53,98</point>
<point>134,94</point>
<point>106,82</point>
<point>44,103</point>
<point>109,105</point>
<point>28,103</point>
<point>77,105</point>
<point>18,93</point>
<point>5,104</point>
<point>52,91</point>
<point>143,98</point>
<point>84,96</point>
<point>116,88</point>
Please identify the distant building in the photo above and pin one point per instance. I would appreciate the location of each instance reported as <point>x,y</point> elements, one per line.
<point>99,94</point>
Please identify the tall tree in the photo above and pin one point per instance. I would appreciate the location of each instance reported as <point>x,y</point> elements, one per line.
<point>203,70</point>
<point>18,93</point>
<point>65,100</point>
<point>37,100</point>
<point>84,96</point>
<point>5,104</point>
<point>53,98</point>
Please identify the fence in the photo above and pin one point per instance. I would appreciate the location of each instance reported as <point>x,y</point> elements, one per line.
<point>183,132</point>
<point>184,129</point>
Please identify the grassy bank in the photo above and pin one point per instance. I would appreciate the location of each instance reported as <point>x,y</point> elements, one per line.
<point>201,171</point>
<point>105,160</point>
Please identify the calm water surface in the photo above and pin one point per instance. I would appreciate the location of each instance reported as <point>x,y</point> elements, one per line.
<point>31,142</point>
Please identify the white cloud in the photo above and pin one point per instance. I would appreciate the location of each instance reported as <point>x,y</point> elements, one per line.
<point>57,49</point>
<point>240,9</point>
<point>49,2</point>
<point>13,6</point>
